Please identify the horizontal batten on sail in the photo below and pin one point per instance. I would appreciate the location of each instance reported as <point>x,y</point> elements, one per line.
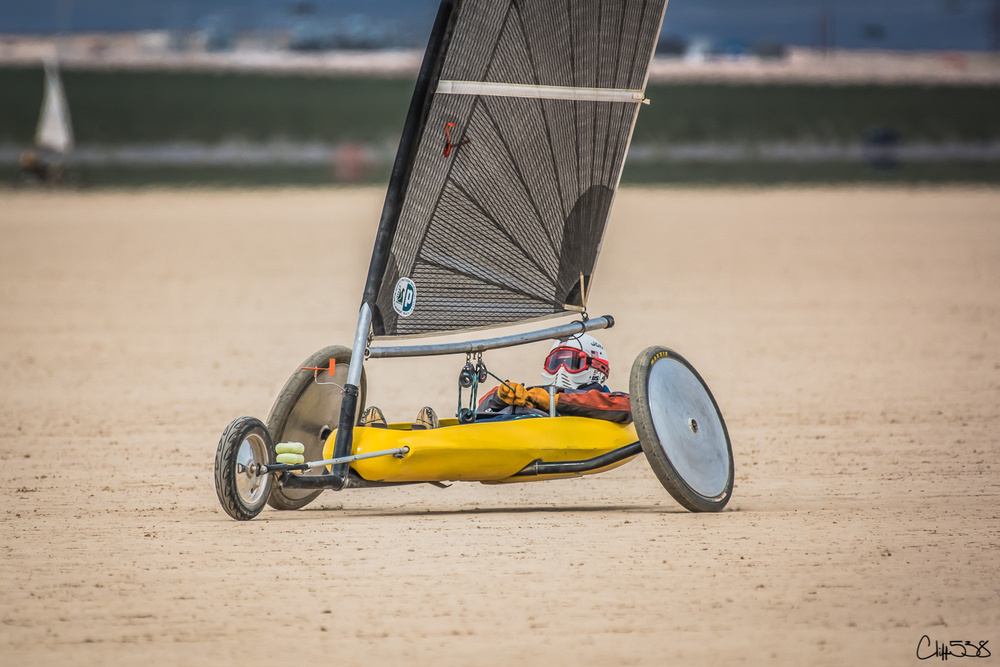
<point>539,92</point>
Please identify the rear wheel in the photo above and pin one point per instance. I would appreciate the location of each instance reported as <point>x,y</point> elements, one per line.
<point>681,430</point>
<point>308,410</point>
<point>241,489</point>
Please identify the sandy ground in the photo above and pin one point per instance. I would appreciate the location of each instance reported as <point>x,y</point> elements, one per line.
<point>851,337</point>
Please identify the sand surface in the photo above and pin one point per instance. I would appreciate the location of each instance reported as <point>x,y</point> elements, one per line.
<point>851,337</point>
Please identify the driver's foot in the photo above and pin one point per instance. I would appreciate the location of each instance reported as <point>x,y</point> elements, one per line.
<point>373,418</point>
<point>426,419</point>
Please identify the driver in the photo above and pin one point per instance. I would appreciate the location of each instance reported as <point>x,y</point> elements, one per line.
<point>578,368</point>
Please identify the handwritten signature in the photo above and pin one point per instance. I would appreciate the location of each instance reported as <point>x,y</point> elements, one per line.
<point>953,649</point>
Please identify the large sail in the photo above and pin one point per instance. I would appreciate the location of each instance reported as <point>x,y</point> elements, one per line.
<point>510,159</point>
<point>54,128</point>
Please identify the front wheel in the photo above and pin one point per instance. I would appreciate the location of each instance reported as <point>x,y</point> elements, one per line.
<point>307,410</point>
<point>681,430</point>
<point>242,490</point>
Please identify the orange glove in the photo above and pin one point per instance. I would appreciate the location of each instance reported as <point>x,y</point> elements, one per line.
<point>512,393</point>
<point>539,398</point>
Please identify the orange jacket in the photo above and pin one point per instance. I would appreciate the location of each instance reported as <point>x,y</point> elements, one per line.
<point>593,400</point>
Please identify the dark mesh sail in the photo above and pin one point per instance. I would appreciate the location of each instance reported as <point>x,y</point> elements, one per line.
<point>506,226</point>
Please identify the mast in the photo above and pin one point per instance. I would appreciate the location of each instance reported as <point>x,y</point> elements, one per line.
<point>413,128</point>
<point>402,167</point>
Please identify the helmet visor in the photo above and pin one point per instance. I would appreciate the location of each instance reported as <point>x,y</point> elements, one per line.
<point>573,360</point>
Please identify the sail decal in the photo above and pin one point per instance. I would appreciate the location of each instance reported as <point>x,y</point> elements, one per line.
<point>513,164</point>
<point>539,92</point>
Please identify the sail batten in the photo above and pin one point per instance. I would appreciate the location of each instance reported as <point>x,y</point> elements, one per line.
<point>507,182</point>
<point>499,89</point>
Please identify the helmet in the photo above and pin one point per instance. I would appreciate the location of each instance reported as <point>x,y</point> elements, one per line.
<point>576,362</point>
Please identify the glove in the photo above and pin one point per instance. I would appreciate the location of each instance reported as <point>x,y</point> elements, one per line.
<point>512,393</point>
<point>538,398</point>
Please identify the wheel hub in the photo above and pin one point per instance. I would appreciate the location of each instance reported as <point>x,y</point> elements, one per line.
<point>249,482</point>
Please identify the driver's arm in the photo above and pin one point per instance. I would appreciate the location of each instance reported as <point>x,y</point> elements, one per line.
<point>491,402</point>
<point>610,406</point>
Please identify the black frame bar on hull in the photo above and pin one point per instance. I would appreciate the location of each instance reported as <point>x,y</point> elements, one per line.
<point>539,467</point>
<point>323,482</point>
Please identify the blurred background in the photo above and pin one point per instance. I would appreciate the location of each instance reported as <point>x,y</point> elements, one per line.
<point>278,92</point>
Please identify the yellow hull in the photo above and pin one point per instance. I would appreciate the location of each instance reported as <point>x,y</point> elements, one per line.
<point>484,452</point>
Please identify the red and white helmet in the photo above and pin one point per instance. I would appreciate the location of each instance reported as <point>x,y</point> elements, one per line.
<point>576,362</point>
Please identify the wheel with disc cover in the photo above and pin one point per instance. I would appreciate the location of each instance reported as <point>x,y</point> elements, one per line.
<point>681,430</point>
<point>242,490</point>
<point>307,410</point>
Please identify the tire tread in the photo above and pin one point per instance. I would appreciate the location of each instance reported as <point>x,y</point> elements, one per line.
<point>225,460</point>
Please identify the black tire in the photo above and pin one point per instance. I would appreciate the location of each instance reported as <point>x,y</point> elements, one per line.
<point>244,442</point>
<point>681,430</point>
<point>307,412</point>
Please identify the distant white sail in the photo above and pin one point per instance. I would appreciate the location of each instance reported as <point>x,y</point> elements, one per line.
<point>55,130</point>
